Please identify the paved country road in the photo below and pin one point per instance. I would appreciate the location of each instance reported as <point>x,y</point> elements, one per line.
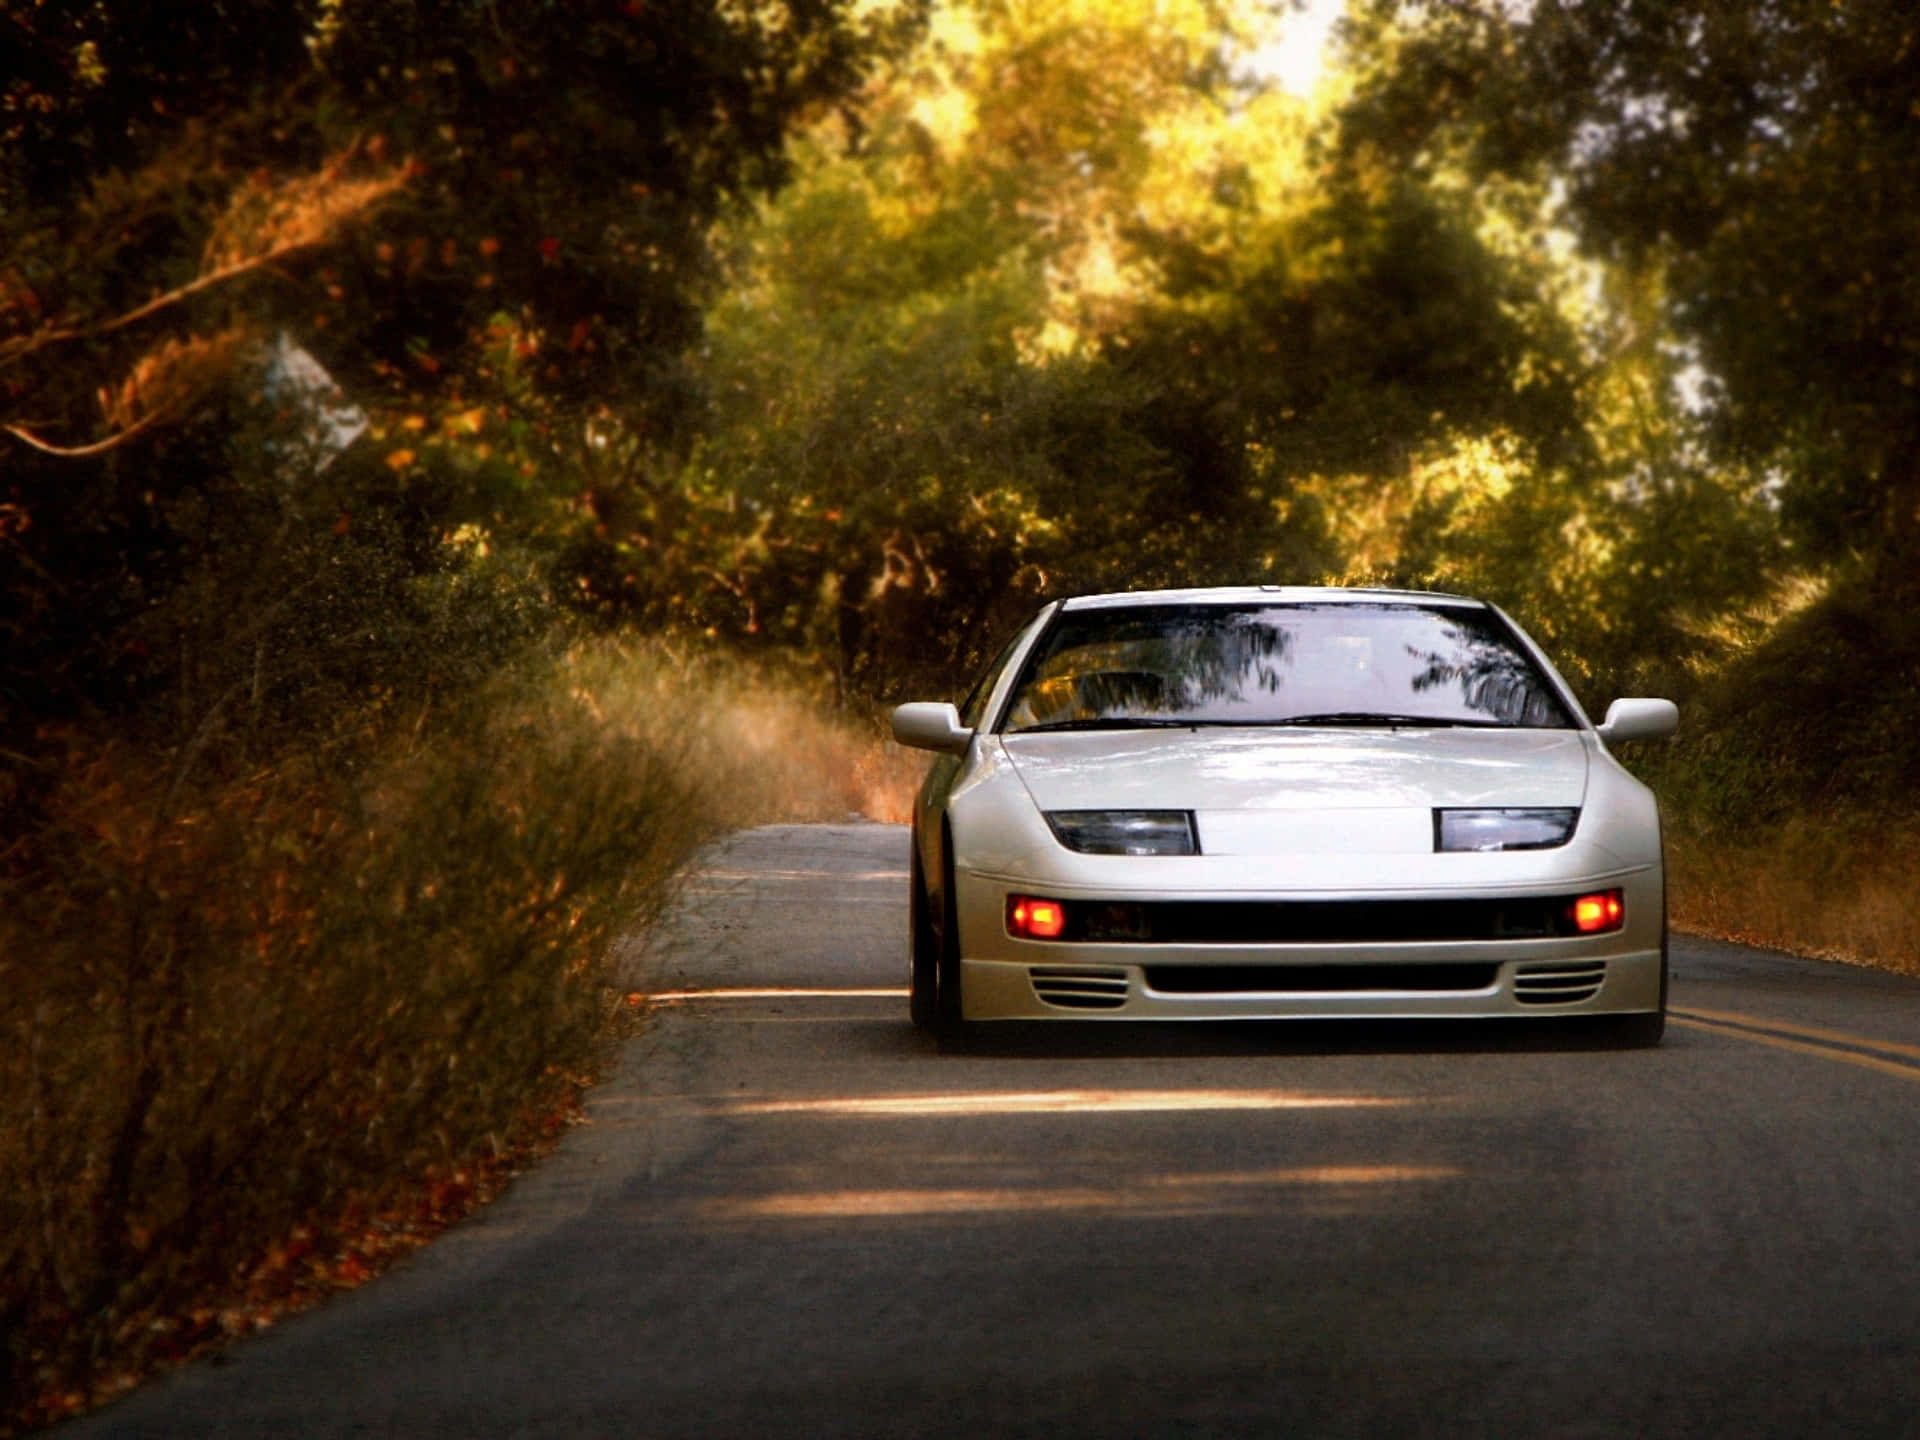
<point>792,1215</point>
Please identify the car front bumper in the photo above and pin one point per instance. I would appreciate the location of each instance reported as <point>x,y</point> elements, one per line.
<point>1008,978</point>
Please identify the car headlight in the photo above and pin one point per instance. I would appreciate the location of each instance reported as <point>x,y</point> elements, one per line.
<point>1125,832</point>
<point>1509,829</point>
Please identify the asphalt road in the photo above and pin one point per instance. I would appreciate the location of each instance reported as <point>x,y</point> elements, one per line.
<point>792,1215</point>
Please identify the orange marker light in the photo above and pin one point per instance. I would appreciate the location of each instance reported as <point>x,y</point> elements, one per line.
<point>1035,919</point>
<point>1594,914</point>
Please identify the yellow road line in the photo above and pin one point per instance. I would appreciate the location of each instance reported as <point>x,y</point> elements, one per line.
<point>1900,1068</point>
<point>771,992</point>
<point>1809,1032</point>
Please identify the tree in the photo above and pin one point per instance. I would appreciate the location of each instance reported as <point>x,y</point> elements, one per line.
<point>489,223</point>
<point>1078,309</point>
<point>1754,162</point>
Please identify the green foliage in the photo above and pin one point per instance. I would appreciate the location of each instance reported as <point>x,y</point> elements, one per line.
<point>1757,161</point>
<point>463,212</point>
<point>1811,718</point>
<point>91,91</point>
<point>251,608</point>
<point>1789,794</point>
<point>967,359</point>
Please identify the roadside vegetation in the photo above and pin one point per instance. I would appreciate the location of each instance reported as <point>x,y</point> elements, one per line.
<point>258,1012</point>
<point>454,464</point>
<point>1790,799</point>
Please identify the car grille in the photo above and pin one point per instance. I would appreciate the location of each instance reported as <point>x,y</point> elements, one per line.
<point>1281,922</point>
<point>1316,979</point>
<point>1080,989</point>
<point>1558,984</point>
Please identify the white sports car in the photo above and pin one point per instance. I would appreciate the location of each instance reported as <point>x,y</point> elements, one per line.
<point>1277,802</point>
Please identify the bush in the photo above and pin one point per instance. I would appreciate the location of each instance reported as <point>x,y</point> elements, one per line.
<point>1790,793</point>
<point>241,1003</point>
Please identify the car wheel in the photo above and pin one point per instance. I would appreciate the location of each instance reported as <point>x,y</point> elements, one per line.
<point>1637,1032</point>
<point>949,1013</point>
<point>923,956</point>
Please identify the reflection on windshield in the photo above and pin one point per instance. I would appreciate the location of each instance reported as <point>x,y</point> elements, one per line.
<point>1388,663</point>
<point>1493,679</point>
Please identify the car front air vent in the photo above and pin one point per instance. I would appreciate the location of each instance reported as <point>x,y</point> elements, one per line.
<point>1319,979</point>
<point>1077,989</point>
<point>1558,984</point>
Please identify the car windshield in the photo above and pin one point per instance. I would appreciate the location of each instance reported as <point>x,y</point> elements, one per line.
<point>1392,663</point>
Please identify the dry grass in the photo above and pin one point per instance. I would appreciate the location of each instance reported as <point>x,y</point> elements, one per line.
<point>1790,791</point>
<point>771,746</point>
<point>249,1011</point>
<point>1810,890</point>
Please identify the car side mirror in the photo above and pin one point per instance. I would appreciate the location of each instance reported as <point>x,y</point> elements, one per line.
<point>929,725</point>
<point>1639,720</point>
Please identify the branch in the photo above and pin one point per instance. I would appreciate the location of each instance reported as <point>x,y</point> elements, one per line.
<point>205,282</point>
<point>98,447</point>
<point>31,344</point>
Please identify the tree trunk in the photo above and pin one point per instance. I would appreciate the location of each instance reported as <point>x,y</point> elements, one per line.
<point>1896,564</point>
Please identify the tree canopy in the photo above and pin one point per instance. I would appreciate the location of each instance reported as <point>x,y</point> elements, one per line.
<point>1753,166</point>
<point>1102,313</point>
<point>488,224</point>
<point>860,328</point>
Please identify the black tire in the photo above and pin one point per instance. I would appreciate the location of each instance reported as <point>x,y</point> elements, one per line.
<point>1643,1032</point>
<point>1637,1032</point>
<point>923,952</point>
<point>950,1015</point>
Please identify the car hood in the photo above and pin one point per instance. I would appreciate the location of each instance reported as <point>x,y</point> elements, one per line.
<point>1257,791</point>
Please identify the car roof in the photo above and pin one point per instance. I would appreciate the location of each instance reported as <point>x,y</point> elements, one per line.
<point>1263,594</point>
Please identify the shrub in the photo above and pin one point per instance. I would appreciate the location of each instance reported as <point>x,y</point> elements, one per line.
<point>245,1001</point>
